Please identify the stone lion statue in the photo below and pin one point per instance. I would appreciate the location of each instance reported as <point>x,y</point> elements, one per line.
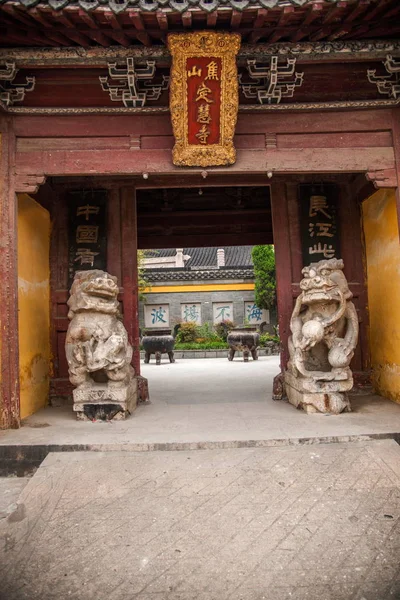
<point>324,326</point>
<point>97,348</point>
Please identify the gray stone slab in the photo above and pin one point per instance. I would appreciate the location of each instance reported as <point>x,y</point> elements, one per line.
<point>207,403</point>
<point>296,522</point>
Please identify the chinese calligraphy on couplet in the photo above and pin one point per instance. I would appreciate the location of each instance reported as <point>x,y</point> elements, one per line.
<point>320,234</point>
<point>87,231</point>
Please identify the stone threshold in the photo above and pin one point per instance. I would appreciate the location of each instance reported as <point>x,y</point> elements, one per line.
<point>29,456</point>
<point>214,353</point>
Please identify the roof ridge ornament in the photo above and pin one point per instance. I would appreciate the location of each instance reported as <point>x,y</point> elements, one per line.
<point>270,83</point>
<point>131,85</point>
<point>388,85</point>
<point>13,92</point>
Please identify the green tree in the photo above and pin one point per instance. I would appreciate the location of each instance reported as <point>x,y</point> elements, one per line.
<point>143,283</point>
<point>265,276</point>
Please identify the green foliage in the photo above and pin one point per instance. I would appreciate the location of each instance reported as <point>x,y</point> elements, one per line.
<point>187,333</point>
<point>207,345</point>
<point>265,276</point>
<point>223,328</point>
<point>266,338</point>
<point>143,284</point>
<point>208,333</point>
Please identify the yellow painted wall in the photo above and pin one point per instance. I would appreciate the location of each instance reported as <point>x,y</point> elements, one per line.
<point>201,287</point>
<point>33,304</point>
<point>383,266</point>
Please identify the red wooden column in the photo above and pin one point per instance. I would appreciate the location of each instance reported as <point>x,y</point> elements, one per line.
<point>130,270</point>
<point>114,234</point>
<point>9,399</point>
<point>283,260</point>
<point>396,144</point>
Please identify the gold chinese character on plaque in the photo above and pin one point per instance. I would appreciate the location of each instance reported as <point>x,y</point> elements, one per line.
<point>194,72</point>
<point>203,90</point>
<point>212,70</point>
<point>203,113</point>
<point>203,93</point>
<point>203,134</point>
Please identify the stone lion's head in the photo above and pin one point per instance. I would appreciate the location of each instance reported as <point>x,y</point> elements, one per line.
<point>324,281</point>
<point>95,291</point>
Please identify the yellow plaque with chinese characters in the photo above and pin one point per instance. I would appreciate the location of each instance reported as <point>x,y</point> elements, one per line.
<point>204,97</point>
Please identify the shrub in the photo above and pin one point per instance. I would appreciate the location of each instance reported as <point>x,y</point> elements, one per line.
<point>224,328</point>
<point>207,332</point>
<point>187,333</point>
<point>202,346</point>
<point>266,338</point>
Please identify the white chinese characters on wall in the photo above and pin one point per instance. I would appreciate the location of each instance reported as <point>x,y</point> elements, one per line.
<point>191,312</point>
<point>222,311</point>
<point>254,315</point>
<point>156,316</point>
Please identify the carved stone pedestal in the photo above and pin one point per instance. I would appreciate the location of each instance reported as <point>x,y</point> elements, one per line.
<point>318,396</point>
<point>104,402</point>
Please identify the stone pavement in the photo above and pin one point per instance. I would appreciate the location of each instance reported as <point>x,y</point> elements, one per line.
<point>301,523</point>
<point>204,402</point>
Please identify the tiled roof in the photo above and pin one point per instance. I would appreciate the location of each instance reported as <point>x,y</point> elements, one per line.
<point>118,6</point>
<point>235,256</point>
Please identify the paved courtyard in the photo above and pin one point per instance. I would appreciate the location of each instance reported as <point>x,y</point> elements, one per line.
<point>208,401</point>
<point>302,523</point>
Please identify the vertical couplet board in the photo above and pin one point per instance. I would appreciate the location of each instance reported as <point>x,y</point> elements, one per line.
<point>320,236</point>
<point>204,97</point>
<point>87,231</point>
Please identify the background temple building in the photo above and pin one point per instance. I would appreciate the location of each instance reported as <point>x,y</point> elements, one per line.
<point>200,285</point>
<point>102,154</point>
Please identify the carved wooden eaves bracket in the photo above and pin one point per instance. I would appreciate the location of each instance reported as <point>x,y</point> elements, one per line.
<point>26,183</point>
<point>269,83</point>
<point>386,178</point>
<point>131,85</point>
<point>388,85</point>
<point>11,92</point>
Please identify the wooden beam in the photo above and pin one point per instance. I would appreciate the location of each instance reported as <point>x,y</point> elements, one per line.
<point>162,20</point>
<point>119,37</point>
<point>392,13</point>
<point>187,19</point>
<point>285,16</point>
<point>29,34</point>
<point>259,21</point>
<point>142,35</point>
<point>212,18</point>
<point>341,32</point>
<point>98,36</point>
<point>18,15</point>
<point>136,18</point>
<point>381,6</point>
<point>361,7</point>
<point>335,13</point>
<point>314,12</point>
<point>236,19</point>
